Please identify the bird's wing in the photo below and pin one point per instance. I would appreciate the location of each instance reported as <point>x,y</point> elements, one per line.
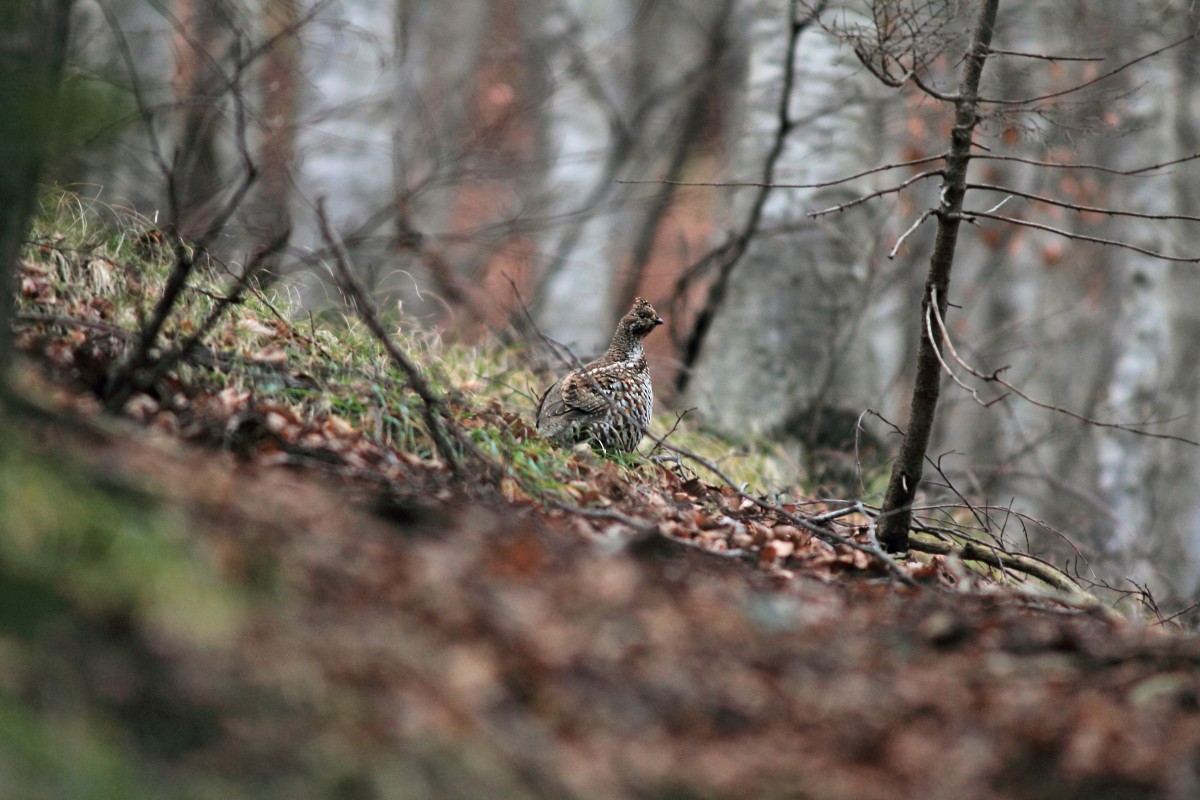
<point>581,392</point>
<point>551,404</point>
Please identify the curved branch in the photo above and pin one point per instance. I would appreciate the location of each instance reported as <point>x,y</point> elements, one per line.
<point>1029,565</point>
<point>1111,212</point>
<point>732,253</point>
<point>1140,171</point>
<point>824,184</point>
<point>970,216</point>
<point>930,173</point>
<point>1093,81</point>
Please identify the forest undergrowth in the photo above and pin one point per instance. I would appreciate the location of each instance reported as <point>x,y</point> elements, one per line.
<point>282,572</point>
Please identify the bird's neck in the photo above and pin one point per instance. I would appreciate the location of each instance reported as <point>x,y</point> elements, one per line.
<point>625,347</point>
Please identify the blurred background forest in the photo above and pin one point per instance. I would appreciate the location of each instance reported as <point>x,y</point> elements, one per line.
<point>492,162</point>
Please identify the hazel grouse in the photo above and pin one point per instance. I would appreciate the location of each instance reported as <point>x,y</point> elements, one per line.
<point>606,403</point>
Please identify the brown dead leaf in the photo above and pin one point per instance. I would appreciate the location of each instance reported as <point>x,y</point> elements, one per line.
<point>512,491</point>
<point>36,287</point>
<point>740,539</point>
<point>271,354</point>
<point>758,532</point>
<point>141,407</point>
<point>787,532</point>
<point>231,399</point>
<point>776,550</point>
<point>930,571</point>
<point>337,426</point>
<point>275,422</point>
<point>730,504</point>
<point>251,325</point>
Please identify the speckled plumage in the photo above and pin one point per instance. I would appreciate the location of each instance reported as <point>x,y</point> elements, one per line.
<point>607,402</point>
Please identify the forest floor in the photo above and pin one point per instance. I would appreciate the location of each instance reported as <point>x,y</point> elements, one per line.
<point>221,594</point>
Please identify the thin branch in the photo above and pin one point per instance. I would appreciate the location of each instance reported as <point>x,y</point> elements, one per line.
<point>1093,81</point>
<point>926,214</point>
<point>1111,212</point>
<point>1004,559</point>
<point>432,406</point>
<point>1001,52</point>
<point>127,378</point>
<point>168,361</point>
<point>824,184</point>
<point>948,509</point>
<point>931,173</point>
<point>969,216</point>
<point>1138,171</point>
<point>818,530</point>
<point>930,311</point>
<point>999,205</point>
<point>995,378</point>
<point>946,97</point>
<point>732,253</point>
<point>679,415</point>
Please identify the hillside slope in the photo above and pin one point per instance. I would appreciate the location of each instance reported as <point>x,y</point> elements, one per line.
<point>262,581</point>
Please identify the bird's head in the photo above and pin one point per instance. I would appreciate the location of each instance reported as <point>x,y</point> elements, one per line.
<point>641,319</point>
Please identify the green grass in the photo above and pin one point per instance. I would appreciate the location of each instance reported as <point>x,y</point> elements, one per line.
<point>97,262</point>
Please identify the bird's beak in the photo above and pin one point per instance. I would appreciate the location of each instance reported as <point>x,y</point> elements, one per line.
<point>658,321</point>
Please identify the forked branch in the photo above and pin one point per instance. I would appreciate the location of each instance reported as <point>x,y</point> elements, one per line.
<point>432,407</point>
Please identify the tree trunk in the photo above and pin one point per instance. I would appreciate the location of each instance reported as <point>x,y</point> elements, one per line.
<point>33,44</point>
<point>201,45</point>
<point>661,118</point>
<point>906,472</point>
<point>784,316</point>
<point>276,152</point>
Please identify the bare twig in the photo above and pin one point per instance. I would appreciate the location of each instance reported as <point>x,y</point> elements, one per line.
<point>816,529</point>
<point>995,378</point>
<point>432,406</point>
<point>1093,81</point>
<point>168,361</point>
<point>1002,52</point>
<point>932,173</point>
<point>679,415</point>
<point>127,378</point>
<point>926,214</point>
<point>1110,212</point>
<point>930,310</point>
<point>1135,172</point>
<point>822,185</point>
<point>969,215</point>
<point>730,254</point>
<point>1004,559</point>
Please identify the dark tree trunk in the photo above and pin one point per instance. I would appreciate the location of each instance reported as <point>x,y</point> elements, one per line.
<point>906,472</point>
<point>276,150</point>
<point>33,44</point>
<point>201,47</point>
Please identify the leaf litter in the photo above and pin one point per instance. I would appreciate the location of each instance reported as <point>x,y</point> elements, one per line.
<point>405,624</point>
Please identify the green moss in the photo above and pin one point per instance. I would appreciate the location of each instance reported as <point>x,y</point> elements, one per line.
<point>73,536</point>
<point>61,757</point>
